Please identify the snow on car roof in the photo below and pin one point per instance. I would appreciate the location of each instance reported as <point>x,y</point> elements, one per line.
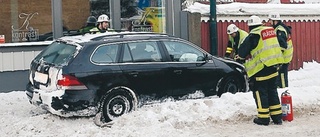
<point>89,37</point>
<point>86,37</point>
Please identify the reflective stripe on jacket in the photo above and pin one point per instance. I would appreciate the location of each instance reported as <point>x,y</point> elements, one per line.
<point>94,30</point>
<point>267,52</point>
<point>287,53</point>
<point>97,31</point>
<point>242,35</point>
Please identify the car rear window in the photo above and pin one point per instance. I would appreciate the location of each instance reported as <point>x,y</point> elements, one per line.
<point>57,53</point>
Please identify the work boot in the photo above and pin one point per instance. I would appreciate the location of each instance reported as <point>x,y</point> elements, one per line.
<point>277,119</point>
<point>279,122</point>
<point>261,121</point>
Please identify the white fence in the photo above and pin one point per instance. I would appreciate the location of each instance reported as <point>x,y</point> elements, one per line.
<point>17,56</point>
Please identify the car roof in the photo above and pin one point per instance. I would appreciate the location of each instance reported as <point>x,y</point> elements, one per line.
<point>114,36</point>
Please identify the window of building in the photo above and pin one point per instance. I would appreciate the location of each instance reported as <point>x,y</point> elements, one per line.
<point>29,21</point>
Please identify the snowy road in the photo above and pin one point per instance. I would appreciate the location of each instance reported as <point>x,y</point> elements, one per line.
<point>302,126</point>
<point>230,115</point>
<point>18,118</point>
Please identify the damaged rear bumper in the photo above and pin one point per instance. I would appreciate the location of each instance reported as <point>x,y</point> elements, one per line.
<point>59,103</point>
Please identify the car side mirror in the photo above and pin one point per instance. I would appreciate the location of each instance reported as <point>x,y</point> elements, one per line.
<point>207,57</point>
<point>204,58</point>
<point>201,58</point>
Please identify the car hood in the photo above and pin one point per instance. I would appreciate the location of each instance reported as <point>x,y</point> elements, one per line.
<point>232,63</point>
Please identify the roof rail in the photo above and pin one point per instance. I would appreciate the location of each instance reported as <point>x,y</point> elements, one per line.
<point>123,34</point>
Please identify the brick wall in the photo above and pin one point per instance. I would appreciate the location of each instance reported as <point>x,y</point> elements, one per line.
<point>5,18</point>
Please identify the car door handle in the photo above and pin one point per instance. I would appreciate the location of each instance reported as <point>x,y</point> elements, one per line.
<point>177,71</point>
<point>134,74</point>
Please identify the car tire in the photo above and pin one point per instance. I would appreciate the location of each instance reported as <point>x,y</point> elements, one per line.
<point>116,103</point>
<point>229,84</point>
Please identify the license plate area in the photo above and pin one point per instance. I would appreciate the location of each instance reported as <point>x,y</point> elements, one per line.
<point>40,77</point>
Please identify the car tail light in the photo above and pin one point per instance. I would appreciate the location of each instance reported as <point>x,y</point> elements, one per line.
<point>70,82</point>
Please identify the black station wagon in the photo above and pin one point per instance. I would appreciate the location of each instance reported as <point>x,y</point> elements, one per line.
<point>114,73</point>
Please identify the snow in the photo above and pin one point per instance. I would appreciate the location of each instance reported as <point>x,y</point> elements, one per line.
<point>268,1</point>
<point>242,11</point>
<point>25,44</point>
<point>230,115</point>
<point>256,9</point>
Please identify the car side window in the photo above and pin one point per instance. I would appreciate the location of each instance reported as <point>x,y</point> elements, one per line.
<point>145,52</point>
<point>105,54</point>
<point>182,52</point>
<point>126,54</point>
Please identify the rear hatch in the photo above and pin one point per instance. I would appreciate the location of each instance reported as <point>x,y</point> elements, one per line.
<point>45,69</point>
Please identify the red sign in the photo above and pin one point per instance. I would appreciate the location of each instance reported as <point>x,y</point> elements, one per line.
<point>2,39</point>
<point>268,33</point>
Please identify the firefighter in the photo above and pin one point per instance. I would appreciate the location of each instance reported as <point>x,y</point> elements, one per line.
<point>236,36</point>
<point>284,37</point>
<point>102,24</point>
<point>90,24</point>
<point>262,67</point>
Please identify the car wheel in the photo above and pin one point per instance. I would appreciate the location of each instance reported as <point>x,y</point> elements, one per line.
<point>230,84</point>
<point>116,103</point>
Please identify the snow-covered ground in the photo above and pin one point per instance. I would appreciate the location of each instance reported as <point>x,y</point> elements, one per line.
<point>230,115</point>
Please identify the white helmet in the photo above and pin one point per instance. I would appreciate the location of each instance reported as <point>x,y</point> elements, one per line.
<point>254,20</point>
<point>274,16</point>
<point>232,29</point>
<point>103,18</point>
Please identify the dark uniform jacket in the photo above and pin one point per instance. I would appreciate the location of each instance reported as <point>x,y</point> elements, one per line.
<point>281,35</point>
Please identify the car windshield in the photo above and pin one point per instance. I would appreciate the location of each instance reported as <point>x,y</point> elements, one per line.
<point>57,53</point>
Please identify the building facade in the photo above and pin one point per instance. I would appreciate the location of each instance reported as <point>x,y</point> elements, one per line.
<point>20,17</point>
<point>32,20</point>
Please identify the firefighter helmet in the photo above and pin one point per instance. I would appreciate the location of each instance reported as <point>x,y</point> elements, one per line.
<point>103,18</point>
<point>274,16</point>
<point>92,19</point>
<point>232,29</point>
<point>254,20</point>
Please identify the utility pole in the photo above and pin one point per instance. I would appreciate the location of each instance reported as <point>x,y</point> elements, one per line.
<point>213,28</point>
<point>115,14</point>
<point>56,8</point>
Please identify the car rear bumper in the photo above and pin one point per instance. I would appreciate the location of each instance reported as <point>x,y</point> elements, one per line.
<point>59,103</point>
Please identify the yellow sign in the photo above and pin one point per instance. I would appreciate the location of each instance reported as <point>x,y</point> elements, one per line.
<point>153,19</point>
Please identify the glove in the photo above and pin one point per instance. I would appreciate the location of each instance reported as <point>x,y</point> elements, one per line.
<point>239,59</point>
<point>236,57</point>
